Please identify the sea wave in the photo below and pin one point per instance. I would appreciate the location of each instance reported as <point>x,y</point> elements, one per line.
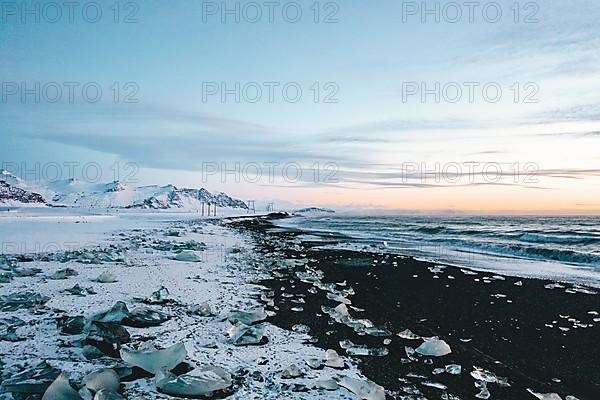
<point>543,238</point>
<point>568,240</point>
<point>539,253</point>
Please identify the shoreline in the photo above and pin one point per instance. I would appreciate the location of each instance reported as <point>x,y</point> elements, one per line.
<point>538,338</point>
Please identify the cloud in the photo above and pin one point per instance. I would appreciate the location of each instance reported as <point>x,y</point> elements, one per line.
<point>588,134</point>
<point>169,139</point>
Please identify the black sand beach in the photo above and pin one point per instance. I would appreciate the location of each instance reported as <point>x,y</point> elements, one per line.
<point>509,326</point>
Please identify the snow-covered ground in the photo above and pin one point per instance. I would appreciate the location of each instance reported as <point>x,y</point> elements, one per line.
<point>138,249</point>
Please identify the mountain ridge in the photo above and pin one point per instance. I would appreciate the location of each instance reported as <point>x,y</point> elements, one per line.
<point>15,191</point>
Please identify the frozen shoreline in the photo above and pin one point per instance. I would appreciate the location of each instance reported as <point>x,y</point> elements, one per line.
<point>224,278</point>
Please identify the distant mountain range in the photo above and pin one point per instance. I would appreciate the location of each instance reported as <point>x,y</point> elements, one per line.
<point>16,192</point>
<point>315,210</point>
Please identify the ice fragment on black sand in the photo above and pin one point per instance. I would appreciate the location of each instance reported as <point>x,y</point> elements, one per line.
<point>61,389</point>
<point>434,347</point>
<point>153,360</point>
<point>203,382</point>
<point>31,380</point>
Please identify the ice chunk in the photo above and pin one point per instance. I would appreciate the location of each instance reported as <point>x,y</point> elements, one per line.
<point>293,371</point>
<point>33,380</point>
<point>552,286</point>
<point>453,369</point>
<point>115,314</point>
<point>108,337</point>
<point>10,335</point>
<point>141,317</point>
<point>362,350</point>
<point>6,277</point>
<point>407,334</point>
<point>436,385</point>
<point>338,313</point>
<point>158,297</point>
<point>91,352</point>
<point>188,256</point>
<point>302,329</point>
<point>247,317</point>
<point>26,272</point>
<point>545,396</point>
<point>71,325</point>
<point>79,291</point>
<point>293,263</point>
<point>410,353</point>
<point>208,344</point>
<point>61,389</point>
<point>484,392</point>
<point>104,378</point>
<point>203,310</point>
<point>108,395</point>
<point>326,384</point>
<point>202,382</point>
<point>434,347</point>
<point>365,390</point>
<point>20,300</point>
<point>333,360</point>
<point>314,363</point>
<point>361,326</point>
<point>243,335</point>
<point>63,274</point>
<point>86,394</point>
<point>338,298</point>
<point>106,277</point>
<point>481,374</point>
<point>152,360</point>
<point>377,331</point>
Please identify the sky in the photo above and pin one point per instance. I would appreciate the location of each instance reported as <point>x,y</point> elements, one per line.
<point>387,105</point>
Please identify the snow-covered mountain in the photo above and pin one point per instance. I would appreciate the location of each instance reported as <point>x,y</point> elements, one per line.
<point>75,193</point>
<point>13,196</point>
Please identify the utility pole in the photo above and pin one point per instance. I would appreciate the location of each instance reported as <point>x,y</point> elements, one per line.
<point>252,206</point>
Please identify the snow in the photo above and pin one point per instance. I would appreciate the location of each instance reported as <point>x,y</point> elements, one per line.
<point>223,279</point>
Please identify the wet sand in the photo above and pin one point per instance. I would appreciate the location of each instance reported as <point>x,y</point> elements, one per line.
<point>509,326</point>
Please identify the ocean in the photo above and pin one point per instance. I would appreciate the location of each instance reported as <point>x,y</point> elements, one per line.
<point>556,247</point>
